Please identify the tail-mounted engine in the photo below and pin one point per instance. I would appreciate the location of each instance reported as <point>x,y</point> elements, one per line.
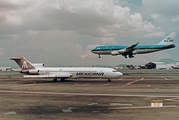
<point>34,72</point>
<point>36,65</point>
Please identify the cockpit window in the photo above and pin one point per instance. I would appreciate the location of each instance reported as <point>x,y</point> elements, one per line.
<point>98,48</point>
<point>115,71</point>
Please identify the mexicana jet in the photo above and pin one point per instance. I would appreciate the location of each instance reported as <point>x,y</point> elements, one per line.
<point>37,70</point>
<point>130,51</point>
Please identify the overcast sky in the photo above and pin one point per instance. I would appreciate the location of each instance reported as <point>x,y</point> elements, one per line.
<point>63,32</point>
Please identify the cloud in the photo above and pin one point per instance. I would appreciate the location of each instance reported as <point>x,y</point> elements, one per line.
<point>97,19</point>
<point>162,7</point>
<point>175,19</point>
<point>69,29</point>
<point>159,17</point>
<point>12,19</point>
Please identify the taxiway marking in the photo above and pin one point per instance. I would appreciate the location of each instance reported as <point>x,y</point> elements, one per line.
<point>167,79</point>
<point>82,84</point>
<point>129,83</point>
<point>86,94</point>
<point>30,84</point>
<point>141,107</point>
<point>173,99</point>
<point>104,85</point>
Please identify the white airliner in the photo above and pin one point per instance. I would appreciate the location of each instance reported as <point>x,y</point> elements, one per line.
<point>129,51</point>
<point>37,70</point>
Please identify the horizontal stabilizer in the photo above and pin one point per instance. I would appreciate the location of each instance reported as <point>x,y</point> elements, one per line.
<point>15,58</point>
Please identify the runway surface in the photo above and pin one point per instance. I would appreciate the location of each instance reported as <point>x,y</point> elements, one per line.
<point>128,97</point>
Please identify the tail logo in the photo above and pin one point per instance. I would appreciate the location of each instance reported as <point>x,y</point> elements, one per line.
<point>168,40</point>
<point>24,65</point>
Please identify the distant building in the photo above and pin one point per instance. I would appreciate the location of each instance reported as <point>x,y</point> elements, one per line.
<point>5,68</point>
<point>160,65</point>
<point>16,69</point>
<point>141,67</point>
<point>150,65</point>
<point>130,67</point>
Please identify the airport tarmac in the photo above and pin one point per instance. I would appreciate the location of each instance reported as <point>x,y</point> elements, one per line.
<point>127,98</point>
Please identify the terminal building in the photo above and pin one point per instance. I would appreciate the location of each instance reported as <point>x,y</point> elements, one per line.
<point>162,65</point>
<point>5,68</point>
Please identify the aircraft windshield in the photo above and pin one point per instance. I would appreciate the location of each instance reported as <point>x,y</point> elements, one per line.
<point>115,71</point>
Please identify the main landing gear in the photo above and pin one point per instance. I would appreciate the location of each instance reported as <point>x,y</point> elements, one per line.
<point>109,79</point>
<point>99,56</point>
<point>129,55</point>
<point>62,79</point>
<point>55,79</point>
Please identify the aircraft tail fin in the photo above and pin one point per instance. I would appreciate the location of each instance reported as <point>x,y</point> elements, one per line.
<point>169,39</point>
<point>23,63</point>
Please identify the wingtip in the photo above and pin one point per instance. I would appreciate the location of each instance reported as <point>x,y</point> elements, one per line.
<point>138,42</point>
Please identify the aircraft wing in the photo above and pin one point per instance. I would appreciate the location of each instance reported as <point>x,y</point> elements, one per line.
<point>56,75</point>
<point>128,51</point>
<point>132,47</point>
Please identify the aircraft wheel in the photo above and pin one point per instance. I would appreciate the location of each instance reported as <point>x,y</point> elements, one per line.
<point>131,56</point>
<point>55,80</point>
<point>109,80</point>
<point>62,79</point>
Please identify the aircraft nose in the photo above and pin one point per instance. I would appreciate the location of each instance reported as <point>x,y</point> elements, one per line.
<point>93,50</point>
<point>120,73</point>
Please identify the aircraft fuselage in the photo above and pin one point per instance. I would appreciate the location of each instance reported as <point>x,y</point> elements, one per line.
<point>74,72</point>
<point>107,50</point>
<point>166,43</point>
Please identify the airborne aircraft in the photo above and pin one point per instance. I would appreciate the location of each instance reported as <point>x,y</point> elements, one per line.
<point>130,51</point>
<point>37,70</point>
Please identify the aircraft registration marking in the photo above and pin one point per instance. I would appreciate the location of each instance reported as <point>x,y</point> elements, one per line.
<point>89,74</point>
